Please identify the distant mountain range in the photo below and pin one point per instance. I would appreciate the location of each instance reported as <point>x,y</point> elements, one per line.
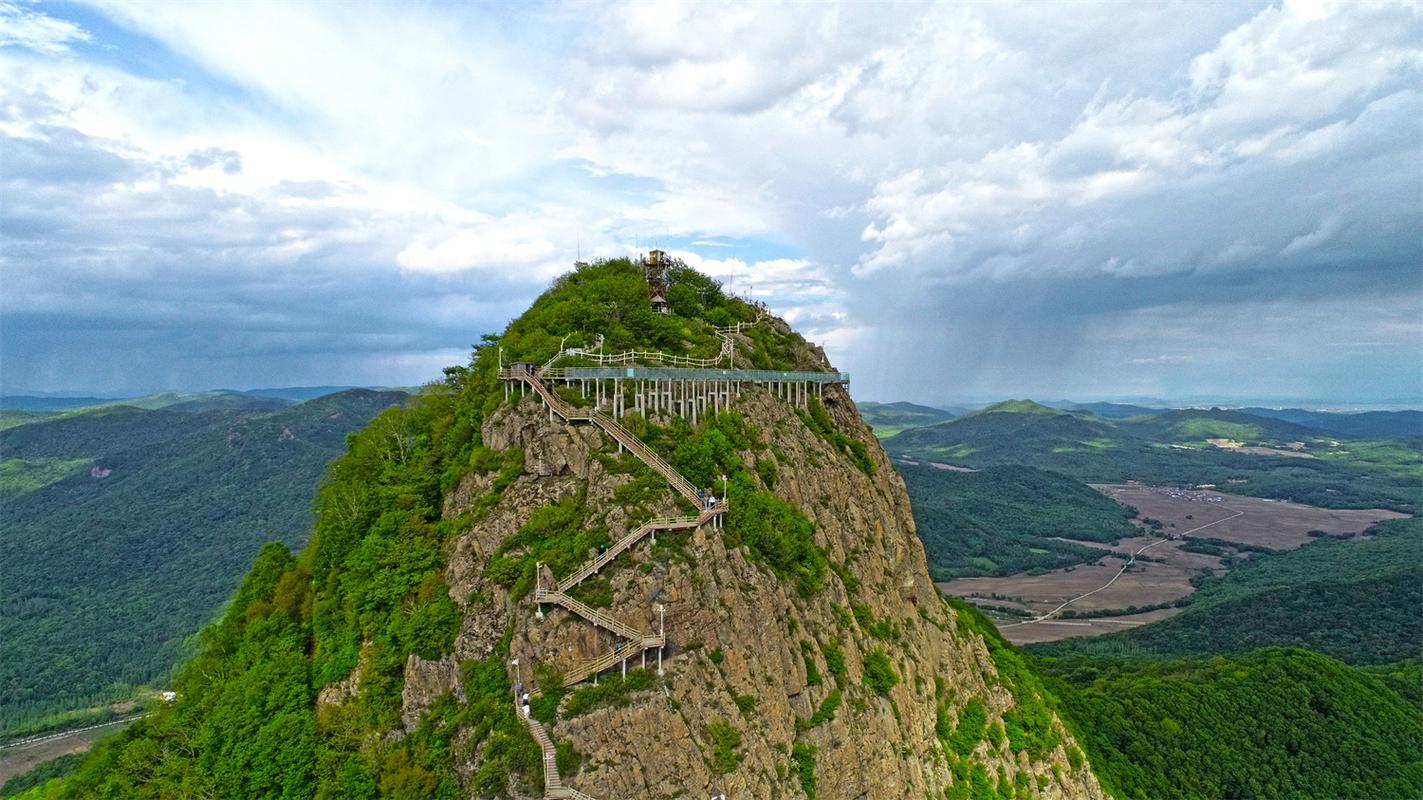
<point>178,401</point>
<point>127,526</point>
<point>1252,454</point>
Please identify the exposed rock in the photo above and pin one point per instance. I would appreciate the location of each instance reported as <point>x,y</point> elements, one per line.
<point>425,681</point>
<point>735,629</point>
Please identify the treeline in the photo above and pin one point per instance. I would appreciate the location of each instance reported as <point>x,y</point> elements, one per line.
<point>1005,520</point>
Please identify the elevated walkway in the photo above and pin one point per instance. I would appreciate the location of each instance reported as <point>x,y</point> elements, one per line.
<point>688,374</point>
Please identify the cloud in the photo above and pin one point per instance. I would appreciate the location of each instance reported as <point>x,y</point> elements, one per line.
<point>21,27</point>
<point>1244,134</point>
<point>997,191</point>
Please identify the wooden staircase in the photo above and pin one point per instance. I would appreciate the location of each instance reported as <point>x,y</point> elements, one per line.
<point>660,524</point>
<point>637,642</point>
<point>553,782</point>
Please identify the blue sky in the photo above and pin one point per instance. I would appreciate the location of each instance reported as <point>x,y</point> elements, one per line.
<point>959,201</point>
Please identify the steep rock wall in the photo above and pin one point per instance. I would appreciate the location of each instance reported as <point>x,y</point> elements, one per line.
<point>735,658</point>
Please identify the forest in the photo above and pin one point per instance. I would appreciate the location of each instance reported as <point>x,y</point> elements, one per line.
<point>106,578</point>
<point>1266,724</point>
<point>1007,519</point>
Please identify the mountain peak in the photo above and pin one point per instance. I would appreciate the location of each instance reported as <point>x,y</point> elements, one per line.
<point>671,532</point>
<point>1018,407</point>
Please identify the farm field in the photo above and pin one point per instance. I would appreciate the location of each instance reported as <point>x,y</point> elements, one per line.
<point>18,759</point>
<point>1162,573</point>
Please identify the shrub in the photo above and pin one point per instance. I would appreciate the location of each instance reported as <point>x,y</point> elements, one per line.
<point>803,758</point>
<point>725,739</point>
<point>879,675</point>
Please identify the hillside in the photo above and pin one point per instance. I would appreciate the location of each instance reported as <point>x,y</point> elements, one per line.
<point>1272,723</point>
<point>1003,520</point>
<point>127,529</point>
<point>1252,455</point>
<point>1358,601</point>
<point>888,419</point>
<point>805,651</point>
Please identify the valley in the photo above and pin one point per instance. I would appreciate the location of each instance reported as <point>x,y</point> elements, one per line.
<point>128,526</point>
<point>1162,574</point>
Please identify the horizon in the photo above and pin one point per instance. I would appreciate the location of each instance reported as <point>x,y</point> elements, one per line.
<point>1342,406</point>
<point>1213,200</point>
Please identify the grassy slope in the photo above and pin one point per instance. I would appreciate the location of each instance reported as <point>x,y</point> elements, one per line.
<point>1002,520</point>
<point>104,578</point>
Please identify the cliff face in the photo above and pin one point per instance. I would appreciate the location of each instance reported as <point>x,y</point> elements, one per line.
<point>867,687</point>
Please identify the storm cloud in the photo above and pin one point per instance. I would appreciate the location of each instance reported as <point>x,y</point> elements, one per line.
<point>1209,200</point>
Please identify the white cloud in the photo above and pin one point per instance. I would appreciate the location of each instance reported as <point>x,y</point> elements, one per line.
<point>21,27</point>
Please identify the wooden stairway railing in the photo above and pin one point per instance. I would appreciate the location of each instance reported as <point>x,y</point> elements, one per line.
<point>660,524</point>
<point>612,658</point>
<point>587,612</point>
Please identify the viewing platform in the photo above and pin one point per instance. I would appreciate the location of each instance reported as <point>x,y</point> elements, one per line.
<point>686,374</point>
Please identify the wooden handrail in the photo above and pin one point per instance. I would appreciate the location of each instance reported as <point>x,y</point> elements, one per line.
<point>587,612</point>
<point>660,524</point>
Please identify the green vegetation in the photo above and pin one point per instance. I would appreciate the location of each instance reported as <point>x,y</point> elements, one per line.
<point>725,739</point>
<point>835,663</point>
<point>1272,723</point>
<point>20,475</point>
<point>106,578</point>
<point>1005,520</point>
<point>613,691</point>
<point>880,676</point>
<point>367,590</point>
<point>556,534</point>
<point>823,712</point>
<point>1360,601</point>
<point>970,729</point>
<point>887,419</point>
<point>803,759</point>
<point>1171,448</point>
<point>775,531</point>
<point>818,420</point>
<point>812,673</point>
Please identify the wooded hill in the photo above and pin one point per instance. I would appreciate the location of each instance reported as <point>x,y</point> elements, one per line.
<point>1271,723</point>
<point>127,529</point>
<point>1008,519</point>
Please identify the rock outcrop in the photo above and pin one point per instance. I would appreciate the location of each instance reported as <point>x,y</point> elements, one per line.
<point>754,701</point>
